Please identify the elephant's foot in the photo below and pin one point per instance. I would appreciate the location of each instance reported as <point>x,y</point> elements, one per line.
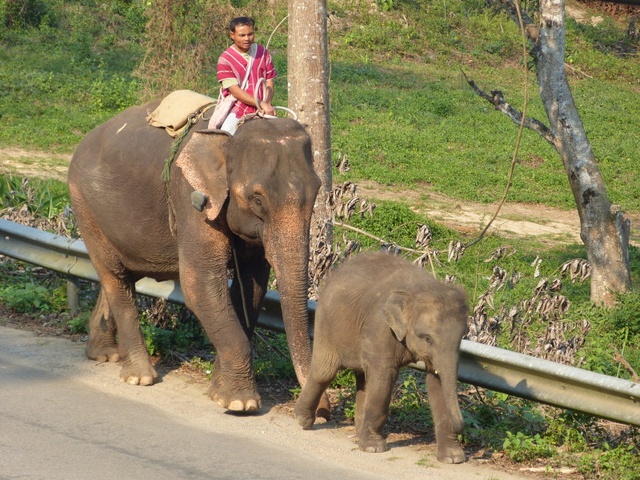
<point>138,373</point>
<point>324,408</point>
<point>372,443</point>
<point>304,417</point>
<point>102,353</point>
<point>451,454</point>
<point>236,399</point>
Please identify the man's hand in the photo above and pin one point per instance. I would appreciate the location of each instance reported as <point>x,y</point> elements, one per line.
<point>267,108</point>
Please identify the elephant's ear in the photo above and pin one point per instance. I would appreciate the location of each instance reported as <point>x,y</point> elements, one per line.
<point>394,313</point>
<point>204,167</point>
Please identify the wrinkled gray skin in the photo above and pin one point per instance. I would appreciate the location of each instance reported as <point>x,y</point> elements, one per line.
<point>260,189</point>
<point>375,314</point>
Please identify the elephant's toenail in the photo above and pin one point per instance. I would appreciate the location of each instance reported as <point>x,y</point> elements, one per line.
<point>236,406</point>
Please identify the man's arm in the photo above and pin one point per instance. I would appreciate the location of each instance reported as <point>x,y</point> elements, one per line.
<point>244,97</point>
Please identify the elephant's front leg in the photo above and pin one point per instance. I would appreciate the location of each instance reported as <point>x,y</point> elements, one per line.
<point>249,284</point>
<point>379,383</point>
<point>447,426</point>
<point>232,382</point>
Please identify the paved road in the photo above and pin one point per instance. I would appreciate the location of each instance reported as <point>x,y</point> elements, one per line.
<point>64,417</point>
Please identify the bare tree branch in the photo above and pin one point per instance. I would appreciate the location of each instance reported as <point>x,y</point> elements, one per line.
<point>377,239</point>
<point>497,100</point>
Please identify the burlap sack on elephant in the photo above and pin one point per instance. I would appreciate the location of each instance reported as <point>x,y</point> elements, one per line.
<point>175,108</point>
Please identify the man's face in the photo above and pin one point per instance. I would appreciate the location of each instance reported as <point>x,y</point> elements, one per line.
<point>242,37</point>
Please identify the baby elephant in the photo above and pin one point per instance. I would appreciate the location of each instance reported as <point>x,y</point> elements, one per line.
<point>379,312</point>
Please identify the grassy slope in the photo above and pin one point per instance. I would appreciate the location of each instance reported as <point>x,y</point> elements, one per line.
<point>411,120</point>
<point>401,110</point>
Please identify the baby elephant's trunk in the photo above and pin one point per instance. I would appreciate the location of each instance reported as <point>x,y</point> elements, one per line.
<point>447,377</point>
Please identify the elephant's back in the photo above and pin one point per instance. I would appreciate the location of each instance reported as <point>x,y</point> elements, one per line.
<point>364,281</point>
<point>116,184</point>
<point>369,271</point>
<point>126,136</point>
<point>123,155</point>
<point>359,285</point>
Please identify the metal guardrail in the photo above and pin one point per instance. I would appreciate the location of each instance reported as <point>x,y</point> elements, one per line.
<point>482,365</point>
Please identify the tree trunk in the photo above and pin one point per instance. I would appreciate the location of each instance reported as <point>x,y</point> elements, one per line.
<point>308,74</point>
<point>604,230</point>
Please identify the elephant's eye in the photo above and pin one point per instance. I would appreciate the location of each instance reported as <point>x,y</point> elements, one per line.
<point>257,205</point>
<point>427,338</point>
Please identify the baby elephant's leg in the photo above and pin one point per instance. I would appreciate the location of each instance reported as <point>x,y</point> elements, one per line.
<point>361,400</point>
<point>319,379</point>
<point>377,396</point>
<point>447,426</point>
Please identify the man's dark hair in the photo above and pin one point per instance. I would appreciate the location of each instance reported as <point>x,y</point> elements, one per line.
<point>239,21</point>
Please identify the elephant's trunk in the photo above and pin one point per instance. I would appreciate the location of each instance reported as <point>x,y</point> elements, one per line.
<point>447,373</point>
<point>288,254</point>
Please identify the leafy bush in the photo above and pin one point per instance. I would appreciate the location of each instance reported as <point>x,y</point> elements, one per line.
<point>20,14</point>
<point>33,299</point>
<point>488,416</point>
<point>170,328</point>
<point>621,463</point>
<point>272,360</point>
<point>521,447</point>
<point>410,409</point>
<point>113,92</point>
<point>80,323</point>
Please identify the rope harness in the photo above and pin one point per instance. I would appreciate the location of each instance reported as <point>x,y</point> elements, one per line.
<point>192,119</point>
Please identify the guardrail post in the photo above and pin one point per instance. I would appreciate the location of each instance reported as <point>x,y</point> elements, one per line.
<point>73,288</point>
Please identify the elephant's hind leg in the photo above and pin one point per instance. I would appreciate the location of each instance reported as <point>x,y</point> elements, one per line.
<point>102,345</point>
<point>378,387</point>
<point>117,298</point>
<point>321,374</point>
<point>136,364</point>
<point>116,302</point>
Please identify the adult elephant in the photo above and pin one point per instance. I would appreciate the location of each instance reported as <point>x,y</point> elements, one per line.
<point>241,203</point>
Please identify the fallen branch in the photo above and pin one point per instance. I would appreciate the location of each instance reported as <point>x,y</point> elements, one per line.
<point>378,239</point>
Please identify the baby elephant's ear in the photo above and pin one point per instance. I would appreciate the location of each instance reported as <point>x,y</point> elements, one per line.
<point>394,313</point>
